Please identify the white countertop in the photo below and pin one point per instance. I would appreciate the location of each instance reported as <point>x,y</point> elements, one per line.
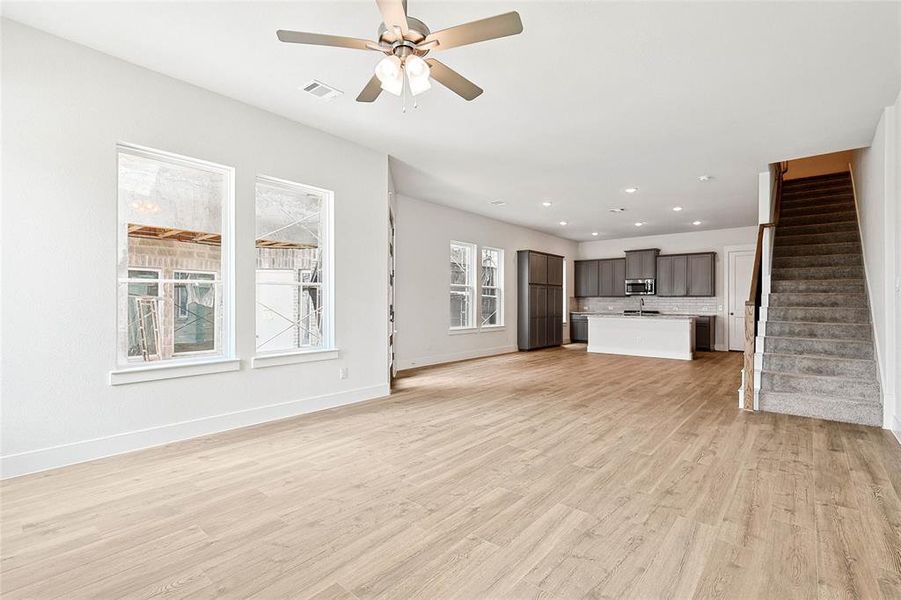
<point>656,317</point>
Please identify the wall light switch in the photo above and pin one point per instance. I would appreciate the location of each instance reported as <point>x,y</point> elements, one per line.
<point>342,373</point>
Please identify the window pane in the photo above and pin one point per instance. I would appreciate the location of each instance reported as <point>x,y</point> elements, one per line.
<point>290,228</point>
<point>143,302</point>
<point>460,264</point>
<point>171,212</point>
<point>489,267</point>
<point>489,307</point>
<point>195,313</point>
<point>460,308</point>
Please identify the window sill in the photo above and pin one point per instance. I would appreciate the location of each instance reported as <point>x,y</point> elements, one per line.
<point>173,370</point>
<point>462,330</point>
<point>490,328</point>
<point>262,361</point>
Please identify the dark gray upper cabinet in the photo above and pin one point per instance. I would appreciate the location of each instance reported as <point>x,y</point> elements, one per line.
<point>619,277</point>
<point>554,270</point>
<point>641,264</point>
<point>701,274</point>
<point>600,278</point>
<point>686,274</point>
<point>586,278</point>
<point>537,267</point>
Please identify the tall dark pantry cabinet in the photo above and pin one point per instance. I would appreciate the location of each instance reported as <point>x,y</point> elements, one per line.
<point>540,292</point>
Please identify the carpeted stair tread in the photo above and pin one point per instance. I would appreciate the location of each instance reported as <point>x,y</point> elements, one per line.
<point>817,218</point>
<point>820,364</point>
<point>818,228</point>
<point>798,346</point>
<point>830,206</point>
<point>821,314</point>
<point>861,412</point>
<point>818,299</point>
<point>818,330</point>
<point>857,388</point>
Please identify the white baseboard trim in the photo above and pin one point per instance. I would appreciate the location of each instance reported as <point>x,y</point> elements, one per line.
<point>438,359</point>
<point>33,461</point>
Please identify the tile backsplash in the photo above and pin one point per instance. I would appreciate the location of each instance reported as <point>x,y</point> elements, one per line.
<point>690,306</point>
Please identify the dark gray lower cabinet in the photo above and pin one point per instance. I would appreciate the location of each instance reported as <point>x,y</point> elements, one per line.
<point>539,299</point>
<point>578,328</point>
<point>705,333</point>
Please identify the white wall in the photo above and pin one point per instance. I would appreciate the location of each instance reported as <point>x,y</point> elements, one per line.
<point>876,186</point>
<point>694,241</point>
<point>64,109</point>
<point>424,231</point>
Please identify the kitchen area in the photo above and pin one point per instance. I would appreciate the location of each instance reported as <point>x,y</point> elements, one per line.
<point>646,304</point>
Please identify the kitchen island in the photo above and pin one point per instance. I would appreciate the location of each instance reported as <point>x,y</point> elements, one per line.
<point>658,336</point>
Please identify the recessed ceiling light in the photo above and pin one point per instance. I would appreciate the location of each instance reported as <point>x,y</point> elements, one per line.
<point>498,203</point>
<point>631,190</point>
<point>617,210</point>
<point>545,203</point>
<point>704,177</point>
<point>695,222</point>
<point>563,223</point>
<point>594,233</point>
<point>677,208</point>
<point>639,224</point>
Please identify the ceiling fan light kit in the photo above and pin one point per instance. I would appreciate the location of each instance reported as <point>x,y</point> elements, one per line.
<point>405,41</point>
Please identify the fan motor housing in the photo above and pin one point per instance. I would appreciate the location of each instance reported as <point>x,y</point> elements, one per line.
<point>417,31</point>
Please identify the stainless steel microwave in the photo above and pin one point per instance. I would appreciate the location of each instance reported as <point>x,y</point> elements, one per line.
<point>640,287</point>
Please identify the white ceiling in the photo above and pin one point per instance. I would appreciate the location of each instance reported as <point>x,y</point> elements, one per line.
<point>592,97</point>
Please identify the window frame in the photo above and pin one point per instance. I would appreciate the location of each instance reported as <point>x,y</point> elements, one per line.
<point>471,286</point>
<point>133,371</point>
<point>327,349</point>
<point>499,289</point>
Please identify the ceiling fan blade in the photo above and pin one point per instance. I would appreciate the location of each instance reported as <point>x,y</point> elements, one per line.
<point>394,14</point>
<point>477,31</point>
<point>453,80</point>
<point>371,91</point>
<point>322,39</point>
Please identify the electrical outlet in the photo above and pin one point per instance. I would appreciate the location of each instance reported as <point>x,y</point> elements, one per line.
<point>342,373</point>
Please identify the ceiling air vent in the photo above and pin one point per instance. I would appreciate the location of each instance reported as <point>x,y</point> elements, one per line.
<point>321,90</point>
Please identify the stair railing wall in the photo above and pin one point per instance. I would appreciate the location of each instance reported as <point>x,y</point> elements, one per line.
<point>763,255</point>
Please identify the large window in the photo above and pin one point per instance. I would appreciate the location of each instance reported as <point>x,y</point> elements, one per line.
<point>492,287</point>
<point>462,285</point>
<point>292,233</point>
<point>174,257</point>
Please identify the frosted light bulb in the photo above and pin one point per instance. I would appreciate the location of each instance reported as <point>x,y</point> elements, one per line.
<point>416,67</point>
<point>388,69</point>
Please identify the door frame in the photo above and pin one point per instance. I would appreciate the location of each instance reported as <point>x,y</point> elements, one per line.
<point>728,251</point>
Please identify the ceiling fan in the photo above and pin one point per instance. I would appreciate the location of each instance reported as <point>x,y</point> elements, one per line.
<point>405,41</point>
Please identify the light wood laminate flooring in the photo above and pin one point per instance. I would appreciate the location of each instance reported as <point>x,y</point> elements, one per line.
<point>553,474</point>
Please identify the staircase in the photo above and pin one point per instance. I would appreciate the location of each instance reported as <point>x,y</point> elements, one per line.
<point>818,352</point>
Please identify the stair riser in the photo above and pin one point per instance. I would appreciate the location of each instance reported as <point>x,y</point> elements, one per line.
<point>817,228</point>
<point>805,347</point>
<point>838,237</point>
<point>819,335</point>
<point>819,315</point>
<point>817,249</point>
<point>819,273</point>
<point>820,408</point>
<point>817,219</point>
<point>841,367</point>
<point>826,206</point>
<point>795,195</point>
<point>814,299</point>
<point>822,260</point>
<point>814,386</point>
<point>839,286</point>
